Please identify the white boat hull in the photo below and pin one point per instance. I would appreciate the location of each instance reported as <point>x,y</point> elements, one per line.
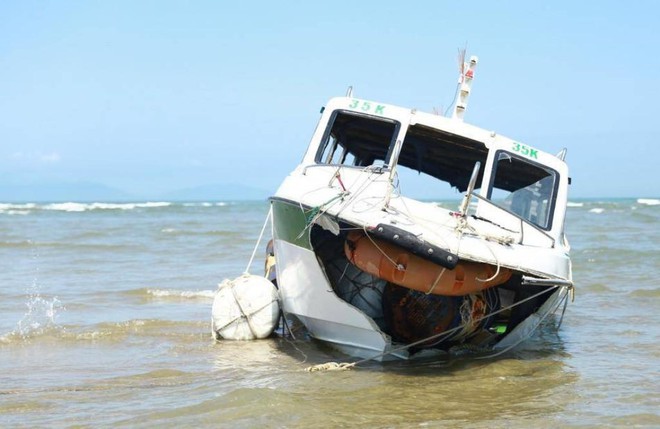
<point>504,250</point>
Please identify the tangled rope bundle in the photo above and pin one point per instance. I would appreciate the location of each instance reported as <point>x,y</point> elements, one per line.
<point>331,366</point>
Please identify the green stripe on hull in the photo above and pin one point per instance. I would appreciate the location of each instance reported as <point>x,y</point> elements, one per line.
<point>289,221</point>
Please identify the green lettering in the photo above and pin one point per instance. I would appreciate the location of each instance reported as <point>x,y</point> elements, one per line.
<point>354,104</point>
<point>380,110</point>
<point>366,106</point>
<point>533,153</point>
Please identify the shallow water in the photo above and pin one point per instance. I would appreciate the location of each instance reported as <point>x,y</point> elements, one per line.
<point>105,322</point>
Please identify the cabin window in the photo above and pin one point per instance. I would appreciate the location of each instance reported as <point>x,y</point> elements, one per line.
<point>357,140</point>
<point>524,188</point>
<point>441,156</point>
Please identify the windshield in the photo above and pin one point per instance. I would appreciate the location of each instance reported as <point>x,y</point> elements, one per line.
<point>442,155</point>
<point>357,140</point>
<point>428,156</point>
<point>524,188</point>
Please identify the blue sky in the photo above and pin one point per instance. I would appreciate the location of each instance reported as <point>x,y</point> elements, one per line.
<point>153,96</point>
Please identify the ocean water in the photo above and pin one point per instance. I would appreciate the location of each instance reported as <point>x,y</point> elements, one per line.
<point>105,322</point>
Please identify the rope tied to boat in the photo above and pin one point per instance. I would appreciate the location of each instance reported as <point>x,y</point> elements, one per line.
<point>261,235</point>
<point>398,266</point>
<point>435,283</point>
<point>462,226</point>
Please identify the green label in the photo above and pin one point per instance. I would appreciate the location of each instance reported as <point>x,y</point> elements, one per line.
<point>366,106</point>
<point>525,150</point>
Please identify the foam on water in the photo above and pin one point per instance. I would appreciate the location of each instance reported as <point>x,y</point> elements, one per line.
<point>81,207</point>
<point>181,293</point>
<point>27,208</point>
<point>9,206</point>
<point>172,293</point>
<point>16,209</point>
<point>648,201</point>
<point>198,204</point>
<point>597,210</point>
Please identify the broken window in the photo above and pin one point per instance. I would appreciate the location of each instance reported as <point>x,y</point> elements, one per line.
<point>357,140</point>
<point>442,155</point>
<point>524,188</point>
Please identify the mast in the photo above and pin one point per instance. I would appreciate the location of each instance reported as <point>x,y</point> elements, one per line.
<point>464,87</point>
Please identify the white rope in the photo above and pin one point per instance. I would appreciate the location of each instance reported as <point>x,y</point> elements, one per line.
<point>330,366</point>
<point>435,283</point>
<point>469,323</point>
<point>461,226</point>
<point>398,266</point>
<point>357,189</point>
<point>421,222</point>
<point>497,261</point>
<point>254,252</point>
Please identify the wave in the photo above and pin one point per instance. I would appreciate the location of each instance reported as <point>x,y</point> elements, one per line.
<point>181,294</point>
<point>17,209</point>
<point>645,293</point>
<point>73,207</point>
<point>206,204</point>
<point>173,293</point>
<point>18,244</point>
<point>618,205</point>
<point>597,210</point>
<point>71,246</point>
<point>81,207</point>
<point>25,336</point>
<point>26,206</point>
<point>106,331</point>
<point>648,201</point>
<point>228,235</point>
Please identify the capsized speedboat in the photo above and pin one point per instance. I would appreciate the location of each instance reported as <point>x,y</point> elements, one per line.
<point>371,270</point>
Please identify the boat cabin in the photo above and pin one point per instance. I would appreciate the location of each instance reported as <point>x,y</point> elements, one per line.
<point>517,187</point>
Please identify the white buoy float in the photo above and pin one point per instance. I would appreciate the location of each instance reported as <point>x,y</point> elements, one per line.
<point>245,308</point>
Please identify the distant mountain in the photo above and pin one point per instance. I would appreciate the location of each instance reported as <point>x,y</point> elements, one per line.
<point>46,192</point>
<point>217,192</point>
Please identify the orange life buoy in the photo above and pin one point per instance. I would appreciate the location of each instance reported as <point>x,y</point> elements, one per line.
<point>398,266</point>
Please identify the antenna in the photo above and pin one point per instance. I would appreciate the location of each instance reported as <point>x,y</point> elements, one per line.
<point>465,84</point>
<point>349,92</point>
<point>562,154</point>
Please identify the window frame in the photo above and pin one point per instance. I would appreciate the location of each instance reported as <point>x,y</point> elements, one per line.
<point>553,197</point>
<point>318,158</point>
